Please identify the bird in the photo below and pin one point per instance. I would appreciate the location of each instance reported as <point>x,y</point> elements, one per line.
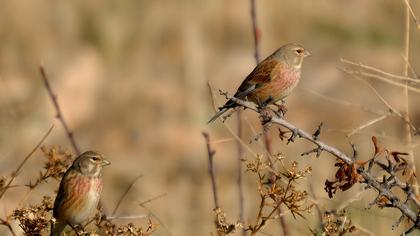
<point>272,79</point>
<point>79,192</point>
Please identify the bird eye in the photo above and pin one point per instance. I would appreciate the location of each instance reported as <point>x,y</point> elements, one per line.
<point>95,158</point>
<point>299,51</point>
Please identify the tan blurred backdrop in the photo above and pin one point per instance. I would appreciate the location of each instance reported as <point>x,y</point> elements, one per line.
<point>131,79</point>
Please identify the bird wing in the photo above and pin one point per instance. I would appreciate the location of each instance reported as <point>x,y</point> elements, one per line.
<point>61,195</point>
<point>259,76</point>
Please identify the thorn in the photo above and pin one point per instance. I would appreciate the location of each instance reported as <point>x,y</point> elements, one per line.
<point>293,136</point>
<point>318,131</point>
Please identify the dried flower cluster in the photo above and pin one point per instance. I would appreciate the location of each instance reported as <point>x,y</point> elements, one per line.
<point>109,228</point>
<point>224,227</point>
<point>56,163</point>
<point>35,219</point>
<point>336,223</point>
<point>277,186</point>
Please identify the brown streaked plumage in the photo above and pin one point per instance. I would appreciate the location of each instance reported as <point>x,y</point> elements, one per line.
<point>79,192</point>
<point>272,79</point>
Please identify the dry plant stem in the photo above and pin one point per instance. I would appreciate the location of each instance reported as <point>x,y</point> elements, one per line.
<point>267,138</point>
<point>367,124</point>
<point>416,20</point>
<point>382,78</point>
<point>57,108</point>
<point>391,110</point>
<point>143,205</point>
<point>210,154</point>
<point>125,194</point>
<point>16,172</point>
<point>239,170</point>
<point>408,137</point>
<point>384,73</point>
<point>7,224</point>
<point>255,31</point>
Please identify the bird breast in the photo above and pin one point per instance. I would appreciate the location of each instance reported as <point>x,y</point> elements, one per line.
<point>87,202</point>
<point>280,86</point>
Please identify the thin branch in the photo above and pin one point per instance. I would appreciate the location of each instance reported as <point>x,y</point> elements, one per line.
<point>16,172</point>
<point>125,194</point>
<point>255,30</point>
<point>416,20</point>
<point>391,109</point>
<point>239,181</point>
<point>408,136</point>
<point>57,108</point>
<point>379,71</point>
<point>386,80</point>
<point>7,224</point>
<point>143,205</point>
<point>152,199</point>
<point>210,154</point>
<point>134,217</point>
<point>367,124</point>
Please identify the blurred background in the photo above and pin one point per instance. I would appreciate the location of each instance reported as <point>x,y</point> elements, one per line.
<point>131,78</point>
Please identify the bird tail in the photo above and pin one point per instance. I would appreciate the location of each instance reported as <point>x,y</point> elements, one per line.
<point>218,114</point>
<point>57,228</point>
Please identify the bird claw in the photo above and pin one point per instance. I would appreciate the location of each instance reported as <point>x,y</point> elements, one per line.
<point>265,115</point>
<point>281,109</point>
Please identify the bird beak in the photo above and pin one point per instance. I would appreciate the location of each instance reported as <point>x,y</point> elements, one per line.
<point>307,53</point>
<point>105,162</point>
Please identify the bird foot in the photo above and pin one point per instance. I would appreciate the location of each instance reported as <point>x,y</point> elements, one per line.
<point>265,115</point>
<point>281,110</point>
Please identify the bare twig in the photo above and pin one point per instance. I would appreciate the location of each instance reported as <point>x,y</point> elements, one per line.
<point>152,199</point>
<point>386,80</point>
<point>408,136</point>
<point>240,150</point>
<point>143,205</point>
<point>125,194</point>
<point>7,224</point>
<point>134,217</point>
<point>210,154</point>
<point>404,78</point>
<point>16,172</point>
<point>367,124</point>
<point>57,108</point>
<point>255,30</point>
<point>416,20</point>
<point>391,110</point>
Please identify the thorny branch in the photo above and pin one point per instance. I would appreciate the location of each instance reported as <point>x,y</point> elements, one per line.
<point>361,174</point>
<point>57,108</point>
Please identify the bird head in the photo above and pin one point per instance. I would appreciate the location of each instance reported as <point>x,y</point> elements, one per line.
<point>90,163</point>
<point>292,54</point>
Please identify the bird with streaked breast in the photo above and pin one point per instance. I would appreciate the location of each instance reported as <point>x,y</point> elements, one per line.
<point>272,80</point>
<point>79,192</point>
